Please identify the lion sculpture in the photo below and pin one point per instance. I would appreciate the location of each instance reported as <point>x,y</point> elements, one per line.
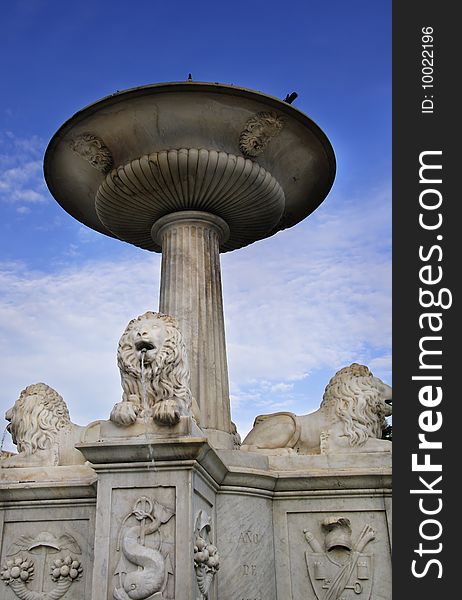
<point>41,428</point>
<point>351,418</point>
<point>154,372</point>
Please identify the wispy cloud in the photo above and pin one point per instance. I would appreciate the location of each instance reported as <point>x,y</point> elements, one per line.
<point>317,296</point>
<point>21,179</point>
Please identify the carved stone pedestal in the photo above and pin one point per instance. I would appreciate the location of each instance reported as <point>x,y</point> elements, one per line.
<point>147,516</point>
<point>198,524</point>
<point>272,520</point>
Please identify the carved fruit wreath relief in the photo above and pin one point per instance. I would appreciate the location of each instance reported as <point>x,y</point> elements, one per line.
<point>33,561</point>
<point>206,559</point>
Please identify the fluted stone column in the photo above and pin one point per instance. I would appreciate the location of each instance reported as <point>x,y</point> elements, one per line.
<point>190,290</point>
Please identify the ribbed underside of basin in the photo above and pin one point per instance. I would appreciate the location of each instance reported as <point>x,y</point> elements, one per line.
<point>134,196</point>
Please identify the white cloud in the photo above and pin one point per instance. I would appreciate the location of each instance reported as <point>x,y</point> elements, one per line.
<point>23,210</point>
<point>313,297</point>
<point>21,179</point>
<point>282,387</point>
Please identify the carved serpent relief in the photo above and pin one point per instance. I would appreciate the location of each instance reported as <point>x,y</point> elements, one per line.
<point>143,569</point>
<point>27,565</point>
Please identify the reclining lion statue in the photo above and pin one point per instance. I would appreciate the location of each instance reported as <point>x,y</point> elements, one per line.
<point>162,391</point>
<point>42,430</point>
<point>351,418</point>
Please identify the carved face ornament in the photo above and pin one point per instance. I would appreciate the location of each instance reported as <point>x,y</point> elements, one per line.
<point>92,149</point>
<point>258,132</point>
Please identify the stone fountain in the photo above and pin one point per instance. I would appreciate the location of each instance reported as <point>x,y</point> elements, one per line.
<point>161,500</point>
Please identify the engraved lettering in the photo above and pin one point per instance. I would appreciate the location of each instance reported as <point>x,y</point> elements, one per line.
<point>249,537</point>
<point>250,570</point>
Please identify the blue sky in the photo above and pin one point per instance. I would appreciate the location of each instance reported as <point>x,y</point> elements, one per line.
<point>298,306</point>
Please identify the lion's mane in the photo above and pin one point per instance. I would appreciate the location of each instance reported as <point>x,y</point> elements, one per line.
<point>354,395</point>
<point>167,377</point>
<point>36,417</point>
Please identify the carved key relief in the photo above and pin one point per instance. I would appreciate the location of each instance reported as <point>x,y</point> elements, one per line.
<point>144,552</point>
<point>341,555</point>
<point>44,566</point>
<point>339,567</point>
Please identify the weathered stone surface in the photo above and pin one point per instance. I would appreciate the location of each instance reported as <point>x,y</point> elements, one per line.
<point>206,557</point>
<point>307,566</point>
<point>258,132</point>
<point>143,431</point>
<point>92,149</point>
<point>172,509</point>
<point>245,539</point>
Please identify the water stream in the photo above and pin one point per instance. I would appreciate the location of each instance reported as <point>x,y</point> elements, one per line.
<point>5,431</point>
<point>146,411</point>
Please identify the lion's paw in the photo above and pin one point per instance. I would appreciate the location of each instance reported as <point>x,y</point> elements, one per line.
<point>166,412</point>
<point>9,462</point>
<point>124,413</point>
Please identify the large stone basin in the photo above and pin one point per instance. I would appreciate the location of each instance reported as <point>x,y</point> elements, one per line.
<point>131,158</point>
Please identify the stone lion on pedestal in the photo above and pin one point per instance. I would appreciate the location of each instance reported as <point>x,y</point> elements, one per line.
<point>351,418</point>
<point>154,372</point>
<point>41,428</point>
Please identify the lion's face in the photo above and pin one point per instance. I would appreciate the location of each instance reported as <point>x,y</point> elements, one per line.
<point>10,416</point>
<point>27,403</point>
<point>36,417</point>
<point>384,396</point>
<point>360,400</point>
<point>147,337</point>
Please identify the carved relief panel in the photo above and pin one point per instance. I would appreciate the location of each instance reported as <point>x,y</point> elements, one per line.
<point>45,560</point>
<point>339,556</point>
<point>142,553</point>
<point>339,565</point>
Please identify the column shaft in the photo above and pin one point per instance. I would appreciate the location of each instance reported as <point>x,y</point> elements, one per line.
<point>191,291</point>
